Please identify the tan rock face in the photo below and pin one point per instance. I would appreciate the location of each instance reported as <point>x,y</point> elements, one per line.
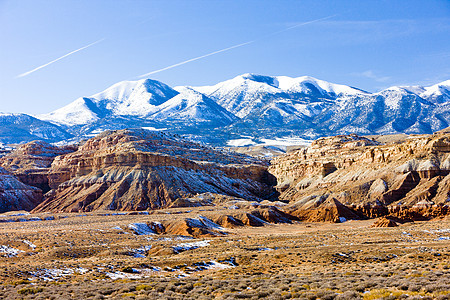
<point>30,162</point>
<point>139,169</point>
<point>368,178</point>
<point>24,178</point>
<point>15,195</point>
<point>384,222</point>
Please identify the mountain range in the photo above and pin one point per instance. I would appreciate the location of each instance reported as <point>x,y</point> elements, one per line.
<point>248,106</point>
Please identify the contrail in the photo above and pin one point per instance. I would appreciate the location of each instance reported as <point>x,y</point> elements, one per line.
<point>232,47</point>
<point>65,55</point>
<point>300,24</point>
<point>193,59</point>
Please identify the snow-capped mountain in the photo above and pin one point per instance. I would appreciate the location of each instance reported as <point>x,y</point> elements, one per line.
<point>245,94</point>
<point>190,105</point>
<point>127,98</point>
<point>258,106</point>
<point>306,106</point>
<point>19,128</point>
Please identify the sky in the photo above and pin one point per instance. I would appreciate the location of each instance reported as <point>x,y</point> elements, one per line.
<point>54,51</point>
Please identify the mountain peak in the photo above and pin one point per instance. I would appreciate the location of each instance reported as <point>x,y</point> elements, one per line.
<point>259,105</point>
<point>269,80</point>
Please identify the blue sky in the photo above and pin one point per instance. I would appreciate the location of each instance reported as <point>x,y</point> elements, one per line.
<point>53,52</point>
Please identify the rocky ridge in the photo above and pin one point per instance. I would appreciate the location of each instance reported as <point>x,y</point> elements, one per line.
<point>349,177</point>
<point>15,195</point>
<point>140,169</point>
<point>30,162</point>
<point>249,106</point>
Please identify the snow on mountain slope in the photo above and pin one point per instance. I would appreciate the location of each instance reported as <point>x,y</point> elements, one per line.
<point>20,128</point>
<point>190,106</point>
<point>81,111</point>
<point>245,93</point>
<point>136,98</point>
<point>438,93</point>
<point>258,105</point>
<point>242,94</point>
<point>306,84</point>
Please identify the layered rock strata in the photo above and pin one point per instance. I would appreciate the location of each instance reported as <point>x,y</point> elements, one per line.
<point>409,179</point>
<point>140,169</point>
<point>31,162</point>
<point>15,195</point>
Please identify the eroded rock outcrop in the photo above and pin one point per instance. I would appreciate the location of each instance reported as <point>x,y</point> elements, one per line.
<point>140,169</point>
<point>361,178</point>
<point>30,162</point>
<point>384,222</point>
<point>15,195</point>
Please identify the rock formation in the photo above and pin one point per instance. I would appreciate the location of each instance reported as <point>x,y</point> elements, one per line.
<point>361,178</point>
<point>24,174</point>
<point>140,169</point>
<point>30,162</point>
<point>15,195</point>
<point>384,222</point>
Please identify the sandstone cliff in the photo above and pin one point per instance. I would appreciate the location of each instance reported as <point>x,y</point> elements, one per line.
<point>139,169</point>
<point>15,195</point>
<point>30,162</point>
<point>409,179</point>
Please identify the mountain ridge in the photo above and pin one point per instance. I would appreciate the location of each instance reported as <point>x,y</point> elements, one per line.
<point>254,105</point>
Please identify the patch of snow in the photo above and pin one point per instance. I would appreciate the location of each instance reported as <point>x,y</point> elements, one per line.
<point>55,274</point>
<point>33,219</point>
<point>265,249</point>
<point>154,129</point>
<point>203,222</point>
<point>9,251</point>
<point>122,275</point>
<point>140,252</point>
<point>19,214</point>
<point>240,142</point>
<point>190,246</point>
<point>141,229</point>
<point>30,244</point>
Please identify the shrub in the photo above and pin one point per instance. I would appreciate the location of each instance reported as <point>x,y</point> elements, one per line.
<point>30,290</point>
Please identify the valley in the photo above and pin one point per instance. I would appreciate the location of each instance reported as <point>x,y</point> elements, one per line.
<point>102,255</point>
<point>145,214</point>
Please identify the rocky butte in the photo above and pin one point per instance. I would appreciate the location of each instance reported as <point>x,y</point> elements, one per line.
<point>335,179</point>
<point>350,177</point>
<point>140,170</point>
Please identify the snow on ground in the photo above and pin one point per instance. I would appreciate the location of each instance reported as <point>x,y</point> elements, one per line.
<point>241,143</point>
<point>9,251</point>
<point>190,246</point>
<point>154,129</point>
<point>286,141</point>
<point>19,214</point>
<point>202,221</point>
<point>141,251</point>
<point>123,275</point>
<point>137,273</point>
<point>280,143</point>
<point>265,249</point>
<point>30,244</point>
<point>141,229</point>
<point>55,274</point>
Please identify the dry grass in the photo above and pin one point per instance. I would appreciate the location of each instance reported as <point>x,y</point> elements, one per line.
<point>301,261</point>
